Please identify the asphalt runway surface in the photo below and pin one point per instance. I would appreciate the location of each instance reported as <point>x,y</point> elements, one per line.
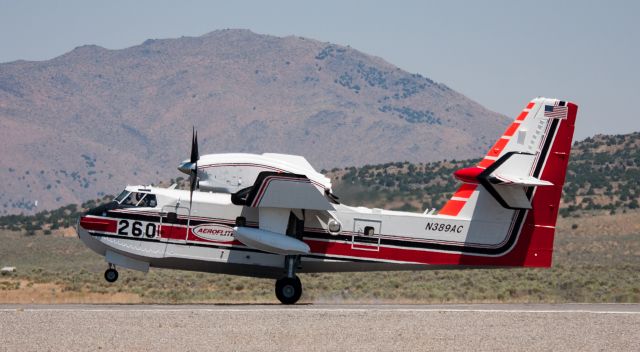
<point>477,327</point>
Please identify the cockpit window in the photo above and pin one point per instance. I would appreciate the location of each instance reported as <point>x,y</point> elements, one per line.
<point>121,196</point>
<point>131,200</point>
<point>148,201</point>
<point>137,199</point>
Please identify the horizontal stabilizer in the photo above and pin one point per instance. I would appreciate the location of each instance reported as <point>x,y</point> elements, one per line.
<point>511,180</point>
<point>509,177</point>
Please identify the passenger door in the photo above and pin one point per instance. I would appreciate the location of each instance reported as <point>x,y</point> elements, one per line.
<point>174,224</point>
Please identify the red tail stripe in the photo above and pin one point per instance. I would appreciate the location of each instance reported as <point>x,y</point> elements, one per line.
<point>511,129</point>
<point>497,148</point>
<point>484,163</point>
<point>465,191</point>
<point>452,207</point>
<point>522,116</point>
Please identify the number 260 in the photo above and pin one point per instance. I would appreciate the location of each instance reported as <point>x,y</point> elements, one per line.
<point>137,229</point>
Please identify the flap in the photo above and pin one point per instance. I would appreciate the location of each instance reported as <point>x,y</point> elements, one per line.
<point>283,190</point>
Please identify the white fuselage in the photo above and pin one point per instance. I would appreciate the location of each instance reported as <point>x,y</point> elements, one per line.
<point>202,239</point>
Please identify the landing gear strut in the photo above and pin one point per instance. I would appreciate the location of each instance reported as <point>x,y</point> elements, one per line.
<point>111,274</point>
<point>289,288</point>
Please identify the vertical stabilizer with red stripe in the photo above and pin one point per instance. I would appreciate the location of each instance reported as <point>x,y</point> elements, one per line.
<point>518,184</point>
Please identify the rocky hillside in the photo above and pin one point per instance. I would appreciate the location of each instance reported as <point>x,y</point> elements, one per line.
<point>90,121</point>
<point>603,174</point>
<point>602,177</point>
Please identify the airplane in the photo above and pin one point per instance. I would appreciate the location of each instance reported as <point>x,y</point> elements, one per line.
<point>273,216</point>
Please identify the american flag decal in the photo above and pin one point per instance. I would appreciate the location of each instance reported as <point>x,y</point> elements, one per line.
<point>555,112</point>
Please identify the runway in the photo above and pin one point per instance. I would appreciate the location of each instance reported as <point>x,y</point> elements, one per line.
<point>487,327</point>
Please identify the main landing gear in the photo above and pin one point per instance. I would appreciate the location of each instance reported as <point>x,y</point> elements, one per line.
<point>289,288</point>
<point>111,274</point>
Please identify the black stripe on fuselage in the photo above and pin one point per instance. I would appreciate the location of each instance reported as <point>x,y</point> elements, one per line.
<point>513,235</point>
<point>156,218</point>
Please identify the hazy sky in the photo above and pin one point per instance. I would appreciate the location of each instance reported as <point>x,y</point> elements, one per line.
<point>499,53</point>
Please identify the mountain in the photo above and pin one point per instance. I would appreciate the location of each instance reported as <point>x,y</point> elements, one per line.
<point>88,122</point>
<point>601,180</point>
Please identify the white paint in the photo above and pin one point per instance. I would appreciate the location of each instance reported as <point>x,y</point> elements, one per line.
<point>127,262</point>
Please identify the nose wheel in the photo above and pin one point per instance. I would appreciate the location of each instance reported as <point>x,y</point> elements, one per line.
<point>288,290</point>
<point>111,274</point>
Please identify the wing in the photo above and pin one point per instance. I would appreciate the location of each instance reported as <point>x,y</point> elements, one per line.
<point>278,196</point>
<point>282,190</point>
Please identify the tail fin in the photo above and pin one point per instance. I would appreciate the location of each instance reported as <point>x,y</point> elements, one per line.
<point>520,180</point>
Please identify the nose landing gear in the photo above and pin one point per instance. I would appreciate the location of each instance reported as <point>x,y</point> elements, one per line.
<point>111,274</point>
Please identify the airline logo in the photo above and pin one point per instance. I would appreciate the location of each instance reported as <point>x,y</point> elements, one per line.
<point>214,232</point>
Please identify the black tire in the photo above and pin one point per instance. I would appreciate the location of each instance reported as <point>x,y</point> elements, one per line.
<point>288,290</point>
<point>111,275</point>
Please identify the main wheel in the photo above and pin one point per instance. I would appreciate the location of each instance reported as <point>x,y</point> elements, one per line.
<point>111,275</point>
<point>288,290</point>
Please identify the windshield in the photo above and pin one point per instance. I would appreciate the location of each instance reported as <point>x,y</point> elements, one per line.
<point>121,196</point>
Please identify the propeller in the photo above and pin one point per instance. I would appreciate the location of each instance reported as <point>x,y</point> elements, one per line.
<point>193,166</point>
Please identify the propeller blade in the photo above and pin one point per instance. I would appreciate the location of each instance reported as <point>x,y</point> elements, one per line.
<point>193,174</point>
<point>194,146</point>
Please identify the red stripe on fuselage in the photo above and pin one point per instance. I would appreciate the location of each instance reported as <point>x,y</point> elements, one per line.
<point>98,224</point>
<point>516,257</point>
<point>171,232</point>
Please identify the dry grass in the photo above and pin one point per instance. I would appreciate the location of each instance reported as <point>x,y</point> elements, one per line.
<point>596,260</point>
<point>51,293</point>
